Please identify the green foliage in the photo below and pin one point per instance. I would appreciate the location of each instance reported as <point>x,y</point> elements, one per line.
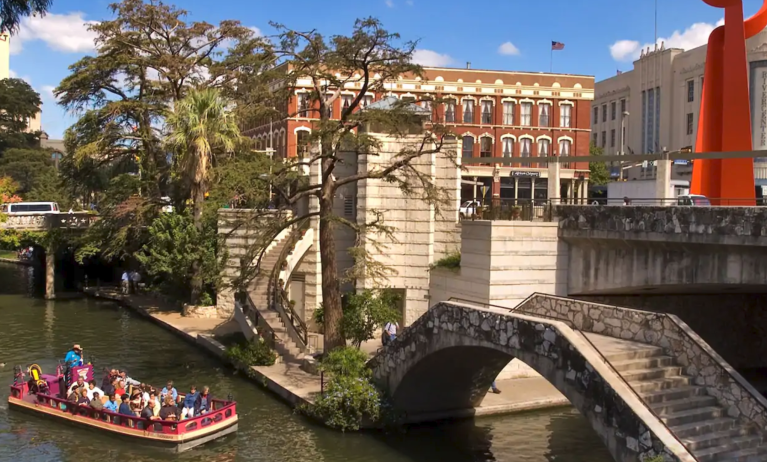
<point>173,246</point>
<point>450,261</point>
<point>18,102</point>
<point>598,172</point>
<point>658,458</point>
<point>11,239</point>
<point>349,394</point>
<point>12,11</point>
<point>240,181</point>
<point>255,353</point>
<point>36,176</point>
<point>364,313</point>
<point>206,299</point>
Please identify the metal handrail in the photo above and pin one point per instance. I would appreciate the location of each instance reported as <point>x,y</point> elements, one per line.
<point>264,329</point>
<point>606,361</point>
<point>277,295</point>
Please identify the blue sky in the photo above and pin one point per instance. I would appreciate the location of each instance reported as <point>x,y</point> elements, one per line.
<point>600,36</point>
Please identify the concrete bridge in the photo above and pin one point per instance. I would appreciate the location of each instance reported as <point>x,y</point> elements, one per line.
<point>646,383</point>
<point>76,221</point>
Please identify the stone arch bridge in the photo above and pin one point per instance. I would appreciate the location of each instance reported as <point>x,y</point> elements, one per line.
<point>646,383</point>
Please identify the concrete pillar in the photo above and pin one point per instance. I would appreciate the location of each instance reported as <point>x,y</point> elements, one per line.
<point>50,273</point>
<point>516,190</point>
<point>663,181</point>
<point>586,191</point>
<point>573,192</point>
<point>553,187</point>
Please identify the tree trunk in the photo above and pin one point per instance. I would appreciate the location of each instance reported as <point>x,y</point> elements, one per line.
<point>198,198</point>
<point>331,290</point>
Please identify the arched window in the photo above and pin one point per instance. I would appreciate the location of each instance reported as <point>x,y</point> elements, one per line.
<point>467,147</point>
<point>508,147</point>
<point>486,147</point>
<point>302,143</point>
<point>544,150</point>
<point>525,147</point>
<point>564,148</point>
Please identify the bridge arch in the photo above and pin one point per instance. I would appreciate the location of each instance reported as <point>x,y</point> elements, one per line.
<point>447,360</point>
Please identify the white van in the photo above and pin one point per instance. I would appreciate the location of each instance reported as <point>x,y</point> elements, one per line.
<point>23,208</point>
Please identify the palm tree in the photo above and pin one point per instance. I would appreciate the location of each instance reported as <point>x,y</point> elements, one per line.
<point>11,12</point>
<point>201,126</point>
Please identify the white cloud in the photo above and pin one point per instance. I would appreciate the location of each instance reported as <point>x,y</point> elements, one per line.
<point>12,74</point>
<point>61,32</point>
<point>256,31</point>
<point>389,3</point>
<point>431,58</point>
<point>409,2</point>
<point>508,49</point>
<point>692,37</point>
<point>46,93</point>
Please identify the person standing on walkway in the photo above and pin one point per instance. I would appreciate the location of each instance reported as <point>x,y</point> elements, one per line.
<point>135,278</point>
<point>390,332</point>
<point>125,283</point>
<point>494,389</point>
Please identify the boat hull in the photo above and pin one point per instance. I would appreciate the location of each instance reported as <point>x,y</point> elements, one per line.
<point>171,443</point>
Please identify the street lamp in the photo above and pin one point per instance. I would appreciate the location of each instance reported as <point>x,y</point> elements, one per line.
<point>623,140</point>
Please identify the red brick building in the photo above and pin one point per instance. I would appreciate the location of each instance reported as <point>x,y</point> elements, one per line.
<point>493,113</point>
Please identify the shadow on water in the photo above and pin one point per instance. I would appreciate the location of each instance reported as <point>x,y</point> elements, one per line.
<point>35,330</point>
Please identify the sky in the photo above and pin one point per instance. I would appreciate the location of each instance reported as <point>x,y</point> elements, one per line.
<point>600,36</point>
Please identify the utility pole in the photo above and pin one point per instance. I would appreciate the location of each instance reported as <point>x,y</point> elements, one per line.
<point>623,141</point>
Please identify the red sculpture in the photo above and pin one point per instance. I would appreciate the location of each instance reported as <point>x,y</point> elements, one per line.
<point>725,115</point>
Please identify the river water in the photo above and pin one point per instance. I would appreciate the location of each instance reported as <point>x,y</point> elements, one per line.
<point>33,330</point>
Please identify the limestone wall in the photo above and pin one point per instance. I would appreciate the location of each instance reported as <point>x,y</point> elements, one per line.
<point>698,359</point>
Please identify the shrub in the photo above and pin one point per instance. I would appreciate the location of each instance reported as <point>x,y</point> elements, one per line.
<point>206,299</point>
<point>451,261</point>
<point>349,393</point>
<point>254,353</point>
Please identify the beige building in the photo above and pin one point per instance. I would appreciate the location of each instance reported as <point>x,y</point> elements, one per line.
<point>33,124</point>
<point>656,105</point>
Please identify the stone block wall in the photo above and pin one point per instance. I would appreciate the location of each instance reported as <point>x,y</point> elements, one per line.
<point>697,358</point>
<point>447,359</point>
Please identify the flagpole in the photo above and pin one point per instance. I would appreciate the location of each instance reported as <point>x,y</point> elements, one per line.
<point>551,60</point>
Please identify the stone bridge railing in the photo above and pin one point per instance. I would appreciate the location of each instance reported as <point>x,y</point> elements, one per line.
<point>687,225</point>
<point>667,331</point>
<point>43,222</point>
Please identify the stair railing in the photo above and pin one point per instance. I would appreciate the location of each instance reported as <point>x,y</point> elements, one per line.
<point>296,327</point>
<point>604,359</point>
<point>262,327</point>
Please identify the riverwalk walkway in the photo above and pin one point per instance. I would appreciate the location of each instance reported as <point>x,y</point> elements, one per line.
<point>297,386</point>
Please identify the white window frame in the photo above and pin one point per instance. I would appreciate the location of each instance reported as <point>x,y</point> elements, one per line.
<point>566,115</point>
<point>522,143</point>
<point>504,140</point>
<point>526,120</point>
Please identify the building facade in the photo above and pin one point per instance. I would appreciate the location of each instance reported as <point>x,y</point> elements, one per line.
<point>656,105</point>
<point>503,114</point>
<point>33,124</point>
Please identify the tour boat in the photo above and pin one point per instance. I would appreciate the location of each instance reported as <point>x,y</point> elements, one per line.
<point>44,394</point>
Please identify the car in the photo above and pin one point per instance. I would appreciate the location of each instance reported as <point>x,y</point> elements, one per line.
<point>24,208</point>
<point>469,209</point>
<point>695,200</point>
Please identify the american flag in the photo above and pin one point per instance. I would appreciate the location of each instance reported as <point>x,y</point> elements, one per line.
<point>557,46</point>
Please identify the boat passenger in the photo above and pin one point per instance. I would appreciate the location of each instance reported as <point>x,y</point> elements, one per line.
<point>74,356</point>
<point>149,411</point>
<point>125,407</point>
<point>189,400</point>
<point>119,388</point>
<point>153,397</point>
<point>96,403</point>
<point>111,404</point>
<point>128,381</point>
<point>169,409</point>
<point>93,389</point>
<point>204,402</point>
<point>83,398</point>
<point>77,386</point>
<point>169,390</point>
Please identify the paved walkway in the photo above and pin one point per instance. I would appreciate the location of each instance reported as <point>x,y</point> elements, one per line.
<point>297,386</point>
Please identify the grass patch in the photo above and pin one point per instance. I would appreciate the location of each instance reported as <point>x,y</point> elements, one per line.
<point>8,254</point>
<point>253,353</point>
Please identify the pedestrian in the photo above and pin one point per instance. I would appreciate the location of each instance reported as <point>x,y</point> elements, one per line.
<point>626,201</point>
<point>125,283</point>
<point>390,332</point>
<point>494,389</point>
<point>135,278</point>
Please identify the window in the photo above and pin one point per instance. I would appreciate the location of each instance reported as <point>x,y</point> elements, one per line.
<point>690,91</point>
<point>612,138</point>
<point>468,111</point>
<point>543,147</point>
<point>349,206</point>
<point>596,115</point>
<point>604,113</point>
<point>508,147</point>
<point>408,99</point>
<point>346,101</point>
<point>613,110</point>
<point>329,106</point>
<point>594,139</point>
<point>564,148</point>
<point>525,145</point>
<point>526,114</point>
<point>604,138</point>
<point>508,113</point>
<point>689,123</point>
<point>303,103</point>
<point>467,148</point>
<point>565,111</point>
<point>366,100</point>
<point>623,106</point>
<point>450,110</point>
<point>487,112</point>
<point>426,104</point>
<point>485,147</point>
<point>543,114</point>
<point>302,143</point>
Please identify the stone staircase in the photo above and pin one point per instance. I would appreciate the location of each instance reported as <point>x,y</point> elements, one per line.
<point>694,417</point>
<point>258,290</point>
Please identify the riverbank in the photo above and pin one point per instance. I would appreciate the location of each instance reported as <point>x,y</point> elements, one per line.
<point>8,256</point>
<point>297,387</point>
